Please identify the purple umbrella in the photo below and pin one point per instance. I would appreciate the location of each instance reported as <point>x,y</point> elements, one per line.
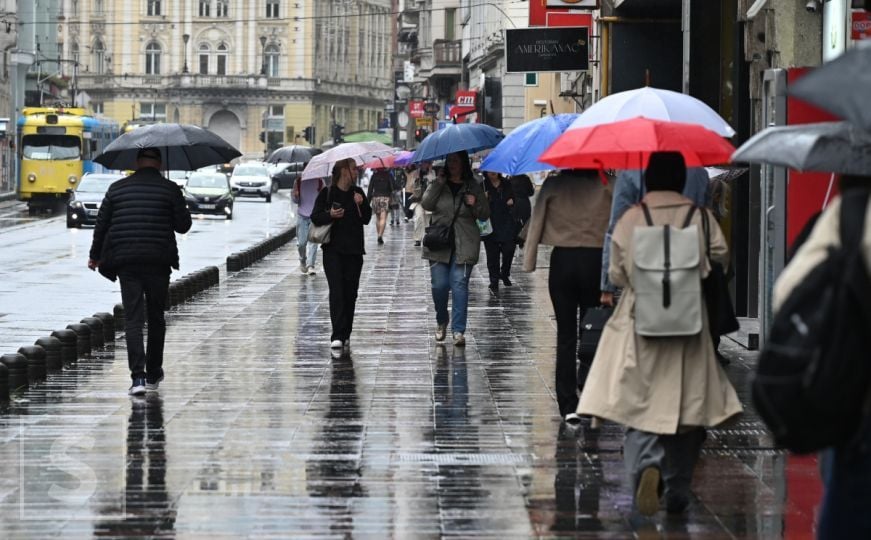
<point>403,159</point>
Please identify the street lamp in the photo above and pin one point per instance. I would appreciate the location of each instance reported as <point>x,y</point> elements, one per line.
<point>185,38</point>
<point>263,50</point>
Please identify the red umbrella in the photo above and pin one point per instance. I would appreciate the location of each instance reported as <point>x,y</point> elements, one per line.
<point>385,162</point>
<point>629,143</point>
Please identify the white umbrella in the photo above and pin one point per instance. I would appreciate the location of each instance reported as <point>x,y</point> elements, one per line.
<point>656,104</point>
<point>321,165</point>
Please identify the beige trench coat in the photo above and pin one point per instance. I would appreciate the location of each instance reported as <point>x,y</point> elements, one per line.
<point>656,384</point>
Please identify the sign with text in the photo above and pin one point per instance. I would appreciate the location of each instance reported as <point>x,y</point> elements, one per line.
<point>573,4</point>
<point>861,25</point>
<point>415,109</point>
<point>549,49</point>
<point>466,101</point>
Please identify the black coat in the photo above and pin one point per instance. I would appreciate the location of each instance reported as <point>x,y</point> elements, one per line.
<point>501,215</point>
<point>523,190</point>
<point>346,235</point>
<point>137,222</point>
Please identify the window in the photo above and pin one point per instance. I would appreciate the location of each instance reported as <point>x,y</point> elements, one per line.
<point>97,107</point>
<point>152,59</point>
<point>74,8</point>
<point>99,58</point>
<point>271,53</point>
<point>531,79</point>
<point>204,59</point>
<point>152,111</point>
<point>272,9</point>
<point>222,59</point>
<point>204,7</point>
<point>74,52</point>
<point>276,111</point>
<point>153,8</point>
<point>450,23</point>
<point>98,7</point>
<point>222,9</point>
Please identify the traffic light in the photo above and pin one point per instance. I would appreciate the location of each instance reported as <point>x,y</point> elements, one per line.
<point>309,134</point>
<point>262,136</point>
<point>420,134</point>
<point>338,133</point>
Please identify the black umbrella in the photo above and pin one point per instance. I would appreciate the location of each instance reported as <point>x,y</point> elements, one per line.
<point>182,147</point>
<point>292,154</point>
<point>842,87</point>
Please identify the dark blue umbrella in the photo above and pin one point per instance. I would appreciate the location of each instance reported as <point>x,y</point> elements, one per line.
<point>455,138</point>
<point>518,152</point>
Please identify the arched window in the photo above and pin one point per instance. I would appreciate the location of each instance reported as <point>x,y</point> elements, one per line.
<point>271,53</point>
<point>74,52</point>
<point>99,57</point>
<point>223,51</point>
<point>204,53</point>
<point>152,59</point>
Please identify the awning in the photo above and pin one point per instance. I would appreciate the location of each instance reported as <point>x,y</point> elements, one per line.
<point>466,103</point>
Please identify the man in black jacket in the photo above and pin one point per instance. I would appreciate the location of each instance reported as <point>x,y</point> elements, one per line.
<point>135,237</point>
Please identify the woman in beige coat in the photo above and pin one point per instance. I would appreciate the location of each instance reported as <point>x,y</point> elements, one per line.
<point>664,390</point>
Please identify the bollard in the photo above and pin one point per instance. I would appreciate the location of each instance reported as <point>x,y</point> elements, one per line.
<point>108,326</point>
<point>17,366</point>
<point>51,346</point>
<point>233,262</point>
<point>83,338</point>
<point>176,294</point>
<point>118,312</point>
<point>35,356</point>
<point>4,382</point>
<point>96,327</point>
<point>68,345</point>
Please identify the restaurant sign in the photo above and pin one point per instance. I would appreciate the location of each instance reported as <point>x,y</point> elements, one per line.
<point>547,49</point>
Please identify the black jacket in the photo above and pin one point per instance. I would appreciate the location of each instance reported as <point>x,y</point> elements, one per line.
<point>138,220</point>
<point>501,215</point>
<point>346,236</point>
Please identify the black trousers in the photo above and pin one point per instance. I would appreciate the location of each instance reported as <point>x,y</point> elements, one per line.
<point>573,284</point>
<point>144,289</point>
<point>343,276</point>
<point>499,258</point>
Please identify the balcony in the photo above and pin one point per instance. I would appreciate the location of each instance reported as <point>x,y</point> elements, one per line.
<point>193,81</point>
<point>447,58</point>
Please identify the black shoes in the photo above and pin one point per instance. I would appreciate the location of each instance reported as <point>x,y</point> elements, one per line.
<point>417,243</point>
<point>507,282</point>
<point>138,387</point>
<point>380,240</point>
<point>494,287</point>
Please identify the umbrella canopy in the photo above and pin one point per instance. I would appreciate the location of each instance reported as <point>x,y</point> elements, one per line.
<point>518,152</point>
<point>842,87</point>
<point>654,103</point>
<point>387,162</point>
<point>837,147</point>
<point>321,165</point>
<point>628,145</point>
<point>292,154</point>
<point>455,138</point>
<point>182,147</point>
<point>403,159</point>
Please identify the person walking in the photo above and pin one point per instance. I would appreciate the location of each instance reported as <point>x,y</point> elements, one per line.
<point>397,182</point>
<point>134,237</point>
<point>501,243</point>
<point>665,390</point>
<point>345,206</point>
<point>523,191</point>
<point>380,192</point>
<point>456,200</point>
<point>304,194</point>
<point>570,214</point>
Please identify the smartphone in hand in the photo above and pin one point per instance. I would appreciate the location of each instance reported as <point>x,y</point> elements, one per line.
<point>337,206</point>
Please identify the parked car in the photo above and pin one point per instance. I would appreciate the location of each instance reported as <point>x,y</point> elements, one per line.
<point>209,193</point>
<point>251,180</point>
<point>285,174</point>
<point>85,200</point>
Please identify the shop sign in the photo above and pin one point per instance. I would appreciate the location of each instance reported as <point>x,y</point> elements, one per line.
<point>415,108</point>
<point>861,25</point>
<point>547,49</point>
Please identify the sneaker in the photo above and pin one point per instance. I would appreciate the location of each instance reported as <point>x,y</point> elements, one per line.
<point>302,269</point>
<point>647,493</point>
<point>507,282</point>
<point>494,288</point>
<point>417,243</point>
<point>573,419</point>
<point>336,344</point>
<point>441,330</point>
<point>459,339</point>
<point>152,386</point>
<point>380,240</point>
<point>311,271</point>
<point>138,387</point>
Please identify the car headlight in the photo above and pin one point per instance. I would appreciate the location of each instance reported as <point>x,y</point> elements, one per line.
<point>76,204</point>
<point>73,179</point>
<point>31,177</point>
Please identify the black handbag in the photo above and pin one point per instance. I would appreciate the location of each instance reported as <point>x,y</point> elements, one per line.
<point>439,237</point>
<point>715,288</point>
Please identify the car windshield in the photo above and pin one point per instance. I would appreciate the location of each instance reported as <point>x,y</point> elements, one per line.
<point>177,175</point>
<point>249,170</point>
<point>50,147</point>
<point>207,181</point>
<point>97,183</point>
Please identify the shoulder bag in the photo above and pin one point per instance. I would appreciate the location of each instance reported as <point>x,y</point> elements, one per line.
<point>438,237</point>
<point>320,234</point>
<point>721,313</point>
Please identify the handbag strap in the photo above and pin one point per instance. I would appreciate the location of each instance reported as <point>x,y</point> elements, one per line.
<point>456,210</point>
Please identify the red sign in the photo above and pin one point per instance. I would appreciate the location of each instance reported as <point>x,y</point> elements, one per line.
<point>465,103</point>
<point>415,109</point>
<point>569,19</point>
<point>543,13</point>
<point>861,25</point>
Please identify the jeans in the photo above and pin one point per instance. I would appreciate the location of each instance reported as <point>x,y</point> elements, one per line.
<point>343,277</point>
<point>451,278</point>
<point>500,255</point>
<point>847,499</point>
<point>674,455</point>
<point>308,251</point>
<point>144,288</point>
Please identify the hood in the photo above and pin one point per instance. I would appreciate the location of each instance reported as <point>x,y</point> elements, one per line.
<point>207,191</point>
<point>85,196</point>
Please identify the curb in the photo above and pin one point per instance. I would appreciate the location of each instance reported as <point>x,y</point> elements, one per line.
<point>242,259</point>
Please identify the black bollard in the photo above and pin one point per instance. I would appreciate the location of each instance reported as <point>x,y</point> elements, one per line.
<point>119,316</point>
<point>17,366</point>
<point>51,346</point>
<point>108,326</point>
<point>4,382</point>
<point>83,338</point>
<point>96,327</point>
<point>35,362</point>
<point>68,345</point>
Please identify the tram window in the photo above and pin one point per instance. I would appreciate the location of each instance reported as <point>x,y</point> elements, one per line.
<point>50,147</point>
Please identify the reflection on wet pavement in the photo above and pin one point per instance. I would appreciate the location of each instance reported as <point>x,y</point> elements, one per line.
<point>258,432</point>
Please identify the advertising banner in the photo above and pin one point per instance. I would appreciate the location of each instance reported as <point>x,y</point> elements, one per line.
<point>861,25</point>
<point>549,49</point>
<point>415,109</point>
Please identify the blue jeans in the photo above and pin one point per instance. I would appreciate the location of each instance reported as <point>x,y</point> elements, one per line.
<point>451,278</point>
<point>308,252</point>
<point>847,499</point>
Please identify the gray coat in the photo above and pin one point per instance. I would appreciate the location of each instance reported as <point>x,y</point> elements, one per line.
<point>439,200</point>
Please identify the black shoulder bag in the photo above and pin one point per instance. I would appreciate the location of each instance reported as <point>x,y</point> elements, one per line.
<point>439,237</point>
<point>715,287</point>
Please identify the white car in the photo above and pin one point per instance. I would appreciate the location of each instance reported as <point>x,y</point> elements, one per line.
<point>251,180</point>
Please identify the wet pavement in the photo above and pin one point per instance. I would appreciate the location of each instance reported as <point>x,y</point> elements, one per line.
<point>258,432</point>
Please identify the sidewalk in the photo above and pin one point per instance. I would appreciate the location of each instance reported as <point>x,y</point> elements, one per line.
<point>256,432</point>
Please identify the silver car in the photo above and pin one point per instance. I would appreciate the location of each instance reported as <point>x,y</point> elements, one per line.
<point>251,180</point>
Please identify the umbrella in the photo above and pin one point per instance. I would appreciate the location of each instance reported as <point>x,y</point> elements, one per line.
<point>291,154</point>
<point>387,162</point>
<point>321,165</point>
<point>403,159</point>
<point>842,87</point>
<point>837,147</point>
<point>182,147</point>
<point>654,103</point>
<point>455,138</point>
<point>518,152</point>
<point>629,143</point>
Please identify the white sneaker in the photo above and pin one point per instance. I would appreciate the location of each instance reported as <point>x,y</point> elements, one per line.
<point>573,419</point>
<point>311,271</point>
<point>459,339</point>
<point>336,344</point>
<point>440,332</point>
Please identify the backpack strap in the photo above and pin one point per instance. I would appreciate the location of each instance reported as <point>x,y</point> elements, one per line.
<point>689,218</point>
<point>854,205</point>
<point>647,217</point>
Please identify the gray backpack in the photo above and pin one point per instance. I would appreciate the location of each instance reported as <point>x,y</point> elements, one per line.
<point>667,278</point>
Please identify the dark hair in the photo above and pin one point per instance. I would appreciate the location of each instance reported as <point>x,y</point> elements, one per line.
<point>666,171</point>
<point>337,170</point>
<point>467,175</point>
<point>148,153</point>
